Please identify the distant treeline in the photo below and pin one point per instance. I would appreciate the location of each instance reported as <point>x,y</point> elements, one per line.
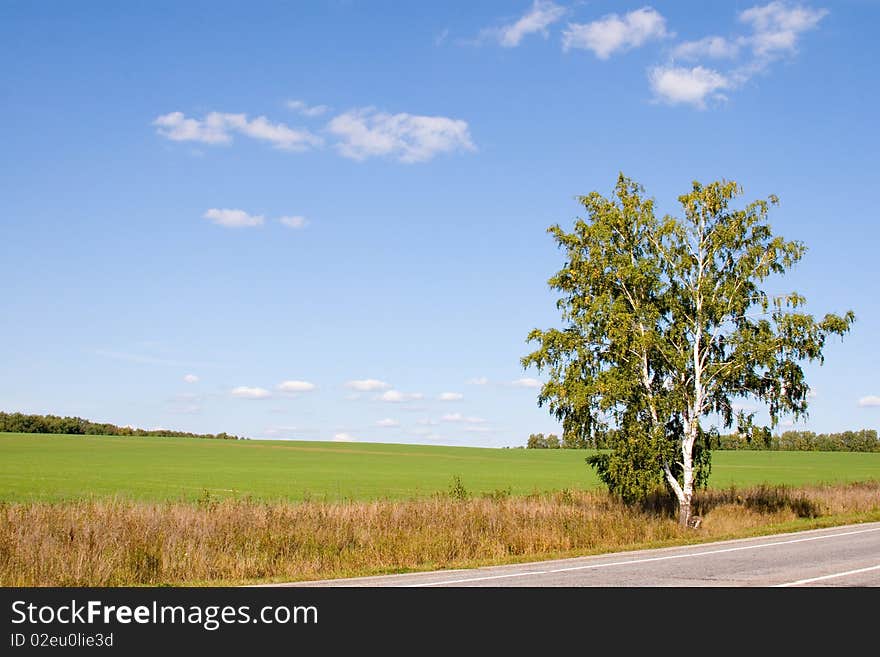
<point>864,440</point>
<point>21,423</point>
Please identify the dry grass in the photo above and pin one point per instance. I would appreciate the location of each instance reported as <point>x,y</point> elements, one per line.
<point>112,543</point>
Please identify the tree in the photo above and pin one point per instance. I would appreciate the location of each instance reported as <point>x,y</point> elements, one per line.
<point>573,441</point>
<point>536,441</point>
<point>666,322</point>
<point>540,441</point>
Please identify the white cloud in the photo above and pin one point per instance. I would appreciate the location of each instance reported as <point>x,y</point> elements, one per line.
<point>775,31</point>
<point>246,392</point>
<point>233,218</point>
<point>367,385</point>
<point>778,25</point>
<point>426,422</point>
<point>458,417</point>
<point>675,84</point>
<point>296,386</point>
<point>343,437</point>
<point>395,396</point>
<point>361,133</point>
<point>387,422</point>
<point>294,221</point>
<point>303,108</point>
<point>190,378</point>
<point>218,128</point>
<point>526,382</point>
<point>211,130</point>
<point>614,33</point>
<point>450,396</point>
<point>408,138</point>
<point>478,429</point>
<point>477,381</point>
<point>715,47</point>
<point>870,400</point>
<point>541,15</point>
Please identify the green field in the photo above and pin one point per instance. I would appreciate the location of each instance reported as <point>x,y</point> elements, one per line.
<point>52,467</point>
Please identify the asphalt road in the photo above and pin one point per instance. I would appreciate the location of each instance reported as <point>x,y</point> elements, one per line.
<point>838,556</point>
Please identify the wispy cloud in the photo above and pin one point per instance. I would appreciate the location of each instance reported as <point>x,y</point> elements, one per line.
<point>310,111</point>
<point>146,359</point>
<point>186,403</point>
<point>219,127</point>
<point>458,417</point>
<point>526,382</point>
<point>343,437</point>
<point>408,138</point>
<point>387,423</point>
<point>294,221</point>
<point>285,432</point>
<point>358,134</point>
<point>231,218</point>
<point>246,392</point>
<point>296,386</point>
<point>869,401</point>
<point>367,385</point>
<point>397,397</point>
<point>536,20</point>
<point>450,396</point>
<point>477,381</point>
<point>776,29</point>
<point>190,378</point>
<point>777,26</point>
<point>614,33</point>
<point>714,47</point>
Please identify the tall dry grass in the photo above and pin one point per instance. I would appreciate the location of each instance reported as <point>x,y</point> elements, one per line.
<point>118,542</point>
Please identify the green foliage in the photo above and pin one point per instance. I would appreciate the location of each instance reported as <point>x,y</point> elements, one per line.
<point>864,440</point>
<point>665,321</point>
<point>574,441</point>
<point>457,491</point>
<point>499,494</point>
<point>21,423</point>
<point>540,441</point>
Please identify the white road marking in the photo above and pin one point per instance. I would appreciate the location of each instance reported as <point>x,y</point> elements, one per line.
<point>480,579</point>
<point>634,561</point>
<point>832,576</point>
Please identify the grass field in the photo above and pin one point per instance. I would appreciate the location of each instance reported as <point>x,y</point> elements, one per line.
<point>36,467</point>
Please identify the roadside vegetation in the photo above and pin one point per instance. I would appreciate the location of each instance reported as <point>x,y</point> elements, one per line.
<point>114,542</point>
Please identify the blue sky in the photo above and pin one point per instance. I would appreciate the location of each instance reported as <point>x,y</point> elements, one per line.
<point>327,220</point>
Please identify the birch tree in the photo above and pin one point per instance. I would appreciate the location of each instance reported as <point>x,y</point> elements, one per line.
<point>667,326</point>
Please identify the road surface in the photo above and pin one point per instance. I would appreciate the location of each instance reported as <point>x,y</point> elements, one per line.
<point>838,556</point>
